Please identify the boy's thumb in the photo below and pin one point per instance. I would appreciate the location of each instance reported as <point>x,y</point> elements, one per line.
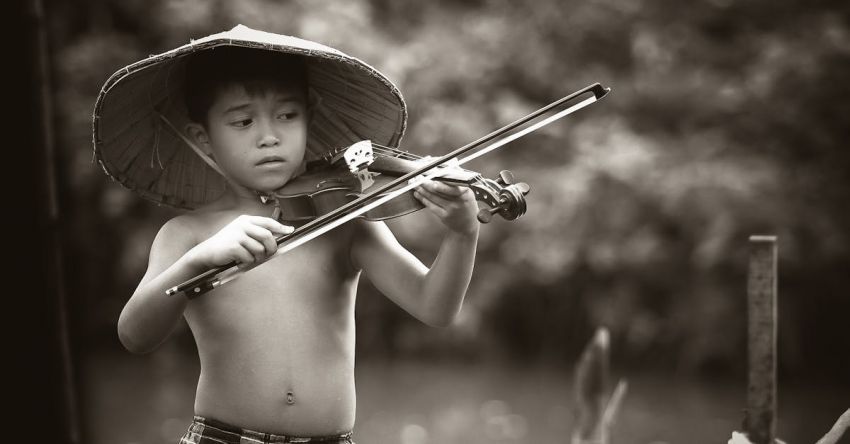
<point>284,229</point>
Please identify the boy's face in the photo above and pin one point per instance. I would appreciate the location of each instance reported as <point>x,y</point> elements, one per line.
<point>258,140</point>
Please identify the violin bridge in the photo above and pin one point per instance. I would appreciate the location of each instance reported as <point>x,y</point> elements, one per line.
<point>359,155</point>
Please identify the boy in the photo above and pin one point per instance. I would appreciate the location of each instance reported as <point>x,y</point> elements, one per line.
<point>277,345</point>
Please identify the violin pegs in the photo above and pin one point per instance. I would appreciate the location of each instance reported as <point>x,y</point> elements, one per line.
<point>505,178</point>
<point>485,215</point>
<point>523,188</point>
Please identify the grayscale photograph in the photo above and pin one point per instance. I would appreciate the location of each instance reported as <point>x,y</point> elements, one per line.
<point>436,222</point>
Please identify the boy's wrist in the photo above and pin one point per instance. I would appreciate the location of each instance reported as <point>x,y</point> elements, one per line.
<point>194,262</point>
<point>469,234</point>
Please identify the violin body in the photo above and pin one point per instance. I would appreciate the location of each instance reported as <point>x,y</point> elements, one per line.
<point>319,192</point>
<point>327,187</point>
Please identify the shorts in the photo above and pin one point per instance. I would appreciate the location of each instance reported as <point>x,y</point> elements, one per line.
<point>210,431</point>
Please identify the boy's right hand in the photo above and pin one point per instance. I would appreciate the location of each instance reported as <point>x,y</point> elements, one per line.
<point>248,240</point>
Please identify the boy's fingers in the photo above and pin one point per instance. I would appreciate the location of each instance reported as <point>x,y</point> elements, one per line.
<point>433,197</point>
<point>244,258</point>
<point>254,247</point>
<point>264,236</point>
<point>272,225</point>
<point>269,245</point>
<point>438,210</point>
<point>442,188</point>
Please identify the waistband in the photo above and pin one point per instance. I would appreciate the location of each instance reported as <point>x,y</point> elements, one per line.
<point>229,434</point>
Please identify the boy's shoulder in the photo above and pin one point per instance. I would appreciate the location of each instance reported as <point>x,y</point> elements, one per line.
<point>192,224</point>
<point>178,233</point>
<point>181,233</point>
<point>197,222</point>
<point>183,224</point>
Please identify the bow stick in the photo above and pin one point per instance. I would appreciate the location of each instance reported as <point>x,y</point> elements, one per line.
<point>225,273</point>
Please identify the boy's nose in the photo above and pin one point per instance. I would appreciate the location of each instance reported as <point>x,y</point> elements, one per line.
<point>268,140</point>
<point>268,136</point>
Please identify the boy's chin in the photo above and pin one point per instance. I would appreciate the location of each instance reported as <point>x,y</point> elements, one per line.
<point>263,187</point>
<point>270,186</point>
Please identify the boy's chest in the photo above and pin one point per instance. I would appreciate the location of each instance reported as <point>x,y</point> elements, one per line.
<point>313,281</point>
<point>328,253</point>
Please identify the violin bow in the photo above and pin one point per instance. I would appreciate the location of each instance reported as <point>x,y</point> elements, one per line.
<point>220,275</point>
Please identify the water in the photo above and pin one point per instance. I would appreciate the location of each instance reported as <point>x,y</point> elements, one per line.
<point>148,399</point>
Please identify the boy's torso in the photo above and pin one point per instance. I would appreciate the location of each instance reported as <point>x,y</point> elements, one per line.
<point>277,344</point>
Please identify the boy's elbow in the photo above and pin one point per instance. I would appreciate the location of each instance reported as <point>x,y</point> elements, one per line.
<point>441,320</point>
<point>132,344</point>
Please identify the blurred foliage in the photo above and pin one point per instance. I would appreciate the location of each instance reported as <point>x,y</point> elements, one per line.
<point>726,119</point>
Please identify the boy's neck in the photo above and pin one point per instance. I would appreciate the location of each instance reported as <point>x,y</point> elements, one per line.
<point>245,201</point>
<point>239,198</point>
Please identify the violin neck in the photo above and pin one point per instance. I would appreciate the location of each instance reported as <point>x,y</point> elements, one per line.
<point>395,166</point>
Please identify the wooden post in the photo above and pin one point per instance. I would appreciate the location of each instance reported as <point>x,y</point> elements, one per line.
<point>611,409</point>
<point>594,413</point>
<point>760,419</point>
<point>591,381</point>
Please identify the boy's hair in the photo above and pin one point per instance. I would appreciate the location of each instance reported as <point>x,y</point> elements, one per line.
<point>256,69</point>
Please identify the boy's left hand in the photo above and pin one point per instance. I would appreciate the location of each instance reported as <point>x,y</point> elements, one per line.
<point>454,206</point>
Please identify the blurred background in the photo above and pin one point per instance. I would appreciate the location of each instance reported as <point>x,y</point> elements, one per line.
<point>725,119</point>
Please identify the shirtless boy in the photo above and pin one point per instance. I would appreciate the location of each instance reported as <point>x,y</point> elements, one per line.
<point>276,346</point>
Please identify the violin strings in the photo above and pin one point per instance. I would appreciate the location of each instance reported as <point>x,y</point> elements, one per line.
<point>392,152</point>
<point>383,150</point>
<point>395,152</point>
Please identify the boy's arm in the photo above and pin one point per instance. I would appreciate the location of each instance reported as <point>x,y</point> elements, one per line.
<point>150,316</point>
<point>435,295</point>
<point>176,256</point>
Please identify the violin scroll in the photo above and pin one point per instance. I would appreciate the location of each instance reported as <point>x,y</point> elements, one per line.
<point>511,199</point>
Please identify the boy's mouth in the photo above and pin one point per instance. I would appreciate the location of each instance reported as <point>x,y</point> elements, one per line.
<point>273,160</point>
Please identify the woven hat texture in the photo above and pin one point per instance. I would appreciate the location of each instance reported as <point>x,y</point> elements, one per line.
<point>140,108</point>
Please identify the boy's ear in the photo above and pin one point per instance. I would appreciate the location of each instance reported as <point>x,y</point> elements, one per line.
<point>199,135</point>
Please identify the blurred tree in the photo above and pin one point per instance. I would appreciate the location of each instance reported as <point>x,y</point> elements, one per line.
<point>726,119</point>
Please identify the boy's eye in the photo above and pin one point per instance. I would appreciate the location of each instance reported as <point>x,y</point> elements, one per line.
<point>241,122</point>
<point>288,115</point>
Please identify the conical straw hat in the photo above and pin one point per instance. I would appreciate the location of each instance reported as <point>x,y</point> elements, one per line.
<point>140,115</point>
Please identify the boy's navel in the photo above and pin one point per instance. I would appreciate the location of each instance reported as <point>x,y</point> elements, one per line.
<point>290,397</point>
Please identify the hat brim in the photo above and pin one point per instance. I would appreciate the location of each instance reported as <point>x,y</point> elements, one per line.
<point>135,147</point>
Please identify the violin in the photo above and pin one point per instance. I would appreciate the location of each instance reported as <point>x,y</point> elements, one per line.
<point>329,204</point>
<point>345,175</point>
